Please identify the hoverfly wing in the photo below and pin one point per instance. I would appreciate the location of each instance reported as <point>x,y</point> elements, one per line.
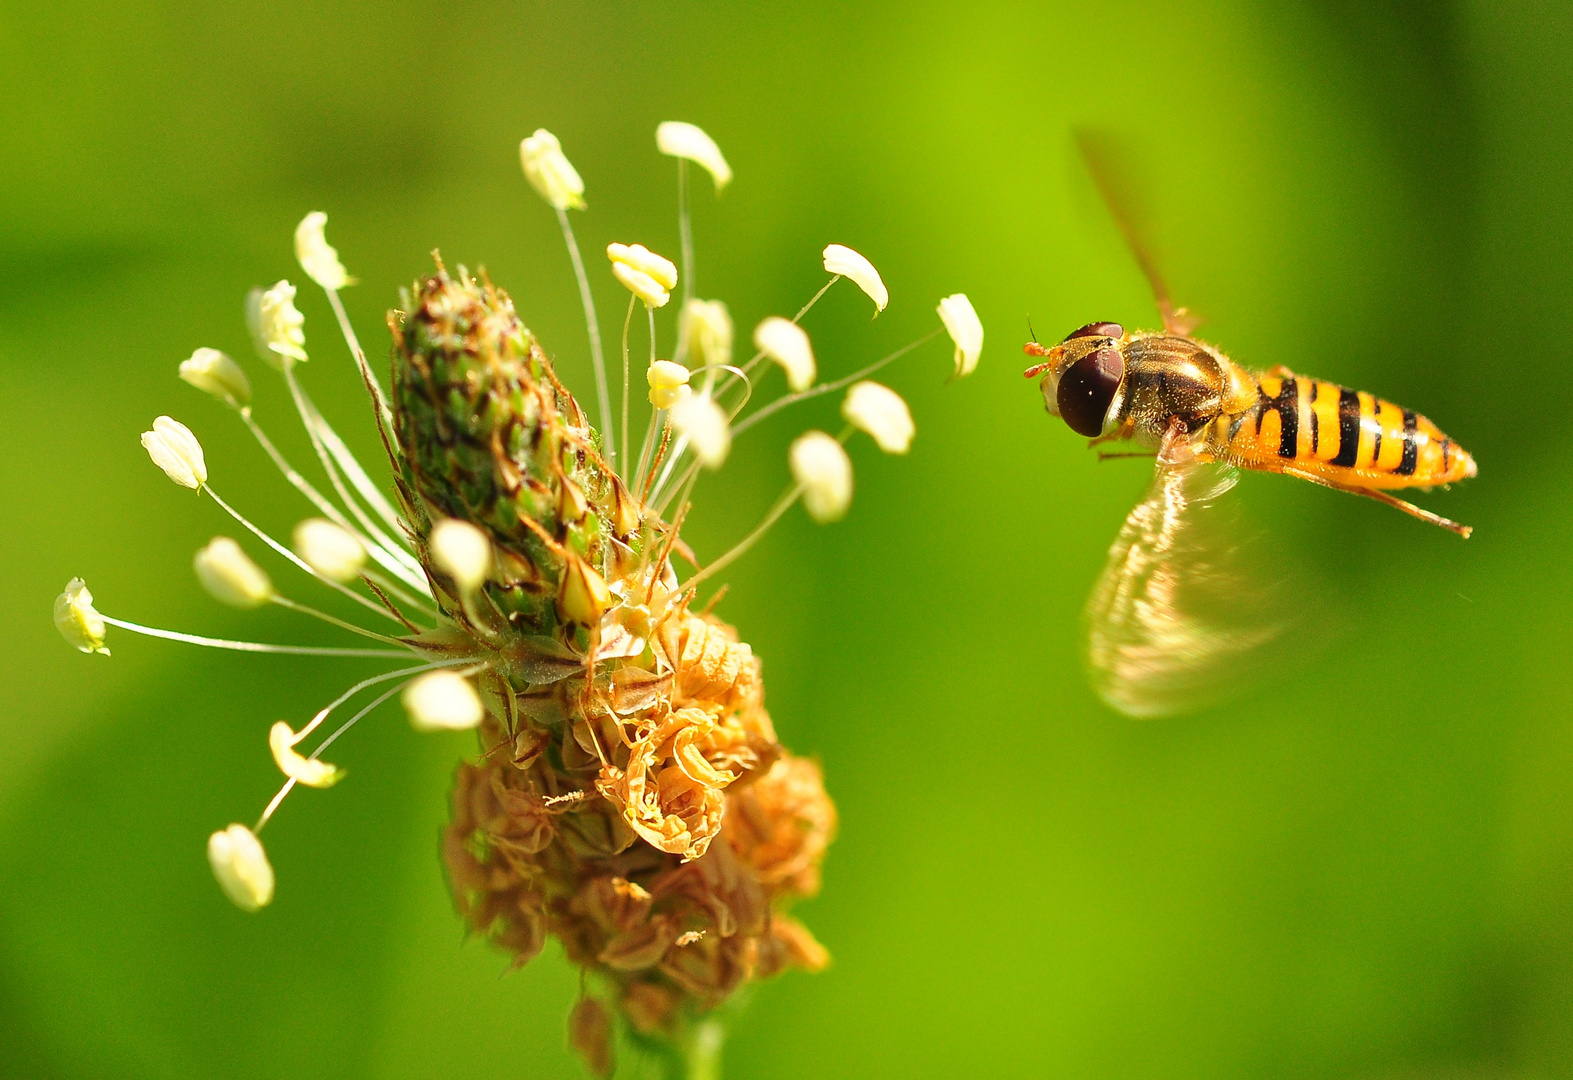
<point>1109,164</point>
<point>1177,621</point>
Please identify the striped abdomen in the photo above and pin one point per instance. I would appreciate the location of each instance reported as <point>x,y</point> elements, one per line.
<point>1346,436</point>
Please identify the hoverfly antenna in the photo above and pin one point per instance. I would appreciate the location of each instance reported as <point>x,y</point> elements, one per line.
<point>1031,333</point>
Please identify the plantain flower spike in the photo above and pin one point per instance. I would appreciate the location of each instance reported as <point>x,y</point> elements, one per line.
<point>241,867</point>
<point>700,420</point>
<point>77,620</point>
<point>229,575</point>
<point>462,551</point>
<point>549,172</point>
<point>317,257</point>
<point>329,549</point>
<point>303,770</point>
<point>705,329</point>
<point>847,263</point>
<point>682,140</point>
<point>787,344</point>
<point>822,469</point>
<point>643,273</point>
<point>961,323</point>
<point>882,414</point>
<point>442,701</point>
<point>214,373</point>
<point>668,383</point>
<point>279,326</point>
<point>175,450</point>
<point>629,797</point>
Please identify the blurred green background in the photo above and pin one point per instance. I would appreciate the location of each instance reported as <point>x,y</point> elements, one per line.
<point>1362,871</point>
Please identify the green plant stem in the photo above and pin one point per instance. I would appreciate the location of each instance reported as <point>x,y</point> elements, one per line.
<point>702,1051</point>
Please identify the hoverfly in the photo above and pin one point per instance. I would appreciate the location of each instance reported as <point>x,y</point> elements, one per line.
<point>1162,626</point>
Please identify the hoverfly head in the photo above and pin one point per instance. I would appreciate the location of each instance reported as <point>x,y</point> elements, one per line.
<point>1082,376</point>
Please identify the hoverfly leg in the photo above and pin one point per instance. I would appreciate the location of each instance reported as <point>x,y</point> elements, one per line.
<point>1124,431</point>
<point>1383,497</point>
<point>1104,455</point>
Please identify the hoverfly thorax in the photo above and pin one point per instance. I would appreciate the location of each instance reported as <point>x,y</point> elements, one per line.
<point>1084,377</point>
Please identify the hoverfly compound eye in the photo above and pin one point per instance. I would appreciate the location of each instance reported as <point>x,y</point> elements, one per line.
<point>1087,389</point>
<point>1098,329</point>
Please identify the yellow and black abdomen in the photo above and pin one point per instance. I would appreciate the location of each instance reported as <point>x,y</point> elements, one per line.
<point>1346,436</point>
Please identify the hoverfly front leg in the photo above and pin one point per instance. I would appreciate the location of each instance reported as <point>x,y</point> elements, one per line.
<point>1124,431</point>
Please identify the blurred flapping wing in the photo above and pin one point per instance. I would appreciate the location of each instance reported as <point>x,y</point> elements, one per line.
<point>1178,621</point>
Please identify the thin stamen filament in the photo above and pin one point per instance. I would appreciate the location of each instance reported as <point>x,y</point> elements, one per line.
<point>315,754</point>
<point>748,368</point>
<point>296,559</point>
<point>328,510</point>
<point>657,421</point>
<point>685,229</point>
<point>603,395</point>
<point>327,710</point>
<point>363,483</point>
<point>627,320</point>
<point>286,602</point>
<point>378,397</point>
<point>330,447</point>
<point>782,505</point>
<point>830,387</point>
<point>248,646</point>
<point>748,392</point>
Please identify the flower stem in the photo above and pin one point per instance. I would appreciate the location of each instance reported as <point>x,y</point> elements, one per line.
<point>702,1052</point>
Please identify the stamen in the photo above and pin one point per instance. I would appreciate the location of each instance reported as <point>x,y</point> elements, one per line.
<point>685,229</point>
<point>328,510</point>
<point>351,722</point>
<point>286,602</point>
<point>378,396</point>
<point>754,361</point>
<point>330,447</point>
<point>748,392</point>
<point>325,712</point>
<point>249,646</point>
<point>602,394</point>
<point>292,557</point>
<point>828,388</point>
<point>628,319</point>
<point>782,505</point>
<point>358,477</point>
